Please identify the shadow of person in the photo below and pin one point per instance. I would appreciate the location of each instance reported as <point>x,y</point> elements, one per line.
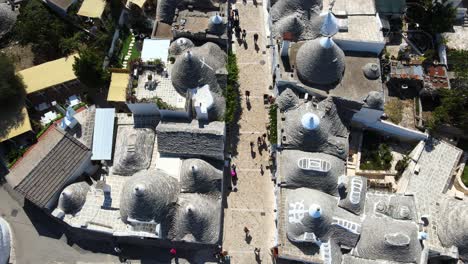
<point>246,46</point>
<point>248,238</point>
<point>249,105</point>
<point>257,48</point>
<point>257,258</point>
<point>253,154</point>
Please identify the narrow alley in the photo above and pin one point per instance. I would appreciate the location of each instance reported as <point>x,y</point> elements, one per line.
<point>252,205</point>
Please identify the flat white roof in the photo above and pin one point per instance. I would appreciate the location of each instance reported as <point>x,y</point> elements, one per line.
<point>155,49</point>
<point>103,134</point>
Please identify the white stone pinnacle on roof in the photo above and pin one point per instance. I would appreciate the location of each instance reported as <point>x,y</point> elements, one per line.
<point>315,211</point>
<point>326,42</point>
<point>216,19</point>
<point>310,121</point>
<point>181,41</point>
<point>194,169</point>
<point>139,190</point>
<point>330,25</point>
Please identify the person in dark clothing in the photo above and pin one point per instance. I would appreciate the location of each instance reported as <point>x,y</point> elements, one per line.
<point>244,34</point>
<point>255,36</point>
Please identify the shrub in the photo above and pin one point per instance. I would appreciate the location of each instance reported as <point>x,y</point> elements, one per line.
<point>273,124</point>
<point>162,105</point>
<point>232,93</point>
<point>379,158</point>
<point>394,110</point>
<point>401,166</point>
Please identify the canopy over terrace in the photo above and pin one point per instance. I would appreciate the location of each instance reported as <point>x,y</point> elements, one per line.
<point>49,74</point>
<point>92,8</point>
<point>118,87</point>
<point>23,126</point>
<point>103,136</point>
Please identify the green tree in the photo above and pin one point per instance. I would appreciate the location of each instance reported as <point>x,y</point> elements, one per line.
<point>89,69</point>
<point>433,16</point>
<point>453,109</point>
<point>12,89</point>
<point>44,30</point>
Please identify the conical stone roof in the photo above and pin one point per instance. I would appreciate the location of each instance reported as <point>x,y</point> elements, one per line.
<point>317,129</point>
<point>291,24</point>
<point>320,62</point>
<point>302,217</point>
<point>286,7</point>
<point>453,225</point>
<point>375,100</point>
<point>198,176</point>
<point>197,219</point>
<point>287,100</point>
<point>371,71</point>
<point>148,196</point>
<point>197,67</point>
<point>180,45</point>
<point>73,197</point>
<point>216,25</point>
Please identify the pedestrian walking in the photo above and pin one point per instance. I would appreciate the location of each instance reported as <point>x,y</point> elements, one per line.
<point>244,34</point>
<point>246,230</point>
<point>257,251</point>
<point>261,169</point>
<point>255,36</point>
<point>236,13</point>
<point>173,251</point>
<point>244,2</point>
<point>259,142</point>
<point>257,255</point>
<point>247,94</point>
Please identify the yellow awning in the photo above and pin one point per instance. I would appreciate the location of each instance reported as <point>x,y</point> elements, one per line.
<point>48,74</point>
<point>92,8</point>
<point>139,3</point>
<point>21,128</point>
<point>118,87</point>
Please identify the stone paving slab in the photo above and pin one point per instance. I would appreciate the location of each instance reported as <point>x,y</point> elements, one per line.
<point>253,203</point>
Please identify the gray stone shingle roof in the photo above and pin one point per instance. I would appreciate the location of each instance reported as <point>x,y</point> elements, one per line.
<point>453,225</point>
<point>53,171</point>
<point>329,137</point>
<point>191,140</point>
<point>134,153</point>
<point>148,196</point>
<point>198,176</point>
<point>73,197</point>
<point>387,239</point>
<point>294,176</point>
<point>320,62</point>
<point>180,45</point>
<point>197,219</point>
<point>7,19</point>
<point>355,194</point>
<point>197,67</point>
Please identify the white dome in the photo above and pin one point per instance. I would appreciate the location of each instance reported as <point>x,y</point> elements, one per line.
<point>310,121</point>
<point>315,211</point>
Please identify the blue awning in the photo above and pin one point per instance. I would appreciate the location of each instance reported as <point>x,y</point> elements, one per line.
<point>103,134</point>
